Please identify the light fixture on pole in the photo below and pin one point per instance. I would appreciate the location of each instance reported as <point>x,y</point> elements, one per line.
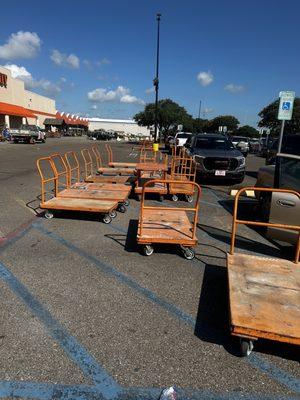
<point>156,80</point>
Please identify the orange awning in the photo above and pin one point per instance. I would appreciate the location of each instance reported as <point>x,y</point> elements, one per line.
<point>12,109</point>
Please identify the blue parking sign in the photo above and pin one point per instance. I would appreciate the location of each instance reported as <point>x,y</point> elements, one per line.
<point>286,105</point>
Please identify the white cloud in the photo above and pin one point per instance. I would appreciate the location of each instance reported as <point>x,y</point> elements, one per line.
<point>64,60</point>
<point>120,95</point>
<point>44,85</point>
<point>87,64</point>
<point>21,45</point>
<point>232,88</point>
<point>104,61</point>
<point>94,107</point>
<point>208,110</point>
<point>150,90</point>
<point>63,79</point>
<point>205,78</point>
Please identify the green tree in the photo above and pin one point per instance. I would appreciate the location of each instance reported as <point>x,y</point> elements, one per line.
<point>247,131</point>
<point>170,114</point>
<point>268,118</point>
<point>222,120</point>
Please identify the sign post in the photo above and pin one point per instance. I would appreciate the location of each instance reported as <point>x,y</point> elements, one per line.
<point>285,112</point>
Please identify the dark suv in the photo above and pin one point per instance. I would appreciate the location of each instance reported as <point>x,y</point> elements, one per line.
<point>216,157</point>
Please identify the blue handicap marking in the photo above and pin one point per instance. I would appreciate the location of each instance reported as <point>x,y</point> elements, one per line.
<point>286,105</point>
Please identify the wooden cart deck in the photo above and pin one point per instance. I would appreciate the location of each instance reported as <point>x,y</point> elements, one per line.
<point>91,205</point>
<point>122,165</point>
<point>166,226</point>
<point>107,179</point>
<point>157,188</point>
<point>119,196</point>
<point>115,171</point>
<point>264,298</point>
<point>102,186</point>
<point>182,188</point>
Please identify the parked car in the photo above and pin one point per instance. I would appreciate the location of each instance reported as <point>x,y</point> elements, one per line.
<point>179,139</point>
<point>28,134</point>
<point>290,145</point>
<point>281,207</point>
<point>241,143</point>
<point>254,146</point>
<point>217,157</point>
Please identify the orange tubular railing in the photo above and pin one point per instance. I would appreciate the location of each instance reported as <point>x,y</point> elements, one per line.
<point>61,170</point>
<point>97,156</point>
<point>237,221</point>
<point>109,153</point>
<point>45,180</point>
<point>88,163</point>
<point>188,209</point>
<point>73,166</point>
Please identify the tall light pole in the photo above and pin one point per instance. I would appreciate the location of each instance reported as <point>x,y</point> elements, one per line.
<point>156,79</point>
<point>199,114</point>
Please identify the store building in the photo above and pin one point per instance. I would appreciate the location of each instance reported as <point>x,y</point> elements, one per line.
<point>20,106</point>
<point>126,126</point>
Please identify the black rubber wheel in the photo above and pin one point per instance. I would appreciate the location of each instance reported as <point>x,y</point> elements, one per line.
<point>189,198</point>
<point>188,253</point>
<point>113,214</point>
<point>246,347</point>
<point>32,141</point>
<point>122,208</point>
<point>126,203</point>
<point>161,198</point>
<point>174,197</point>
<point>107,219</point>
<point>48,214</point>
<point>148,250</point>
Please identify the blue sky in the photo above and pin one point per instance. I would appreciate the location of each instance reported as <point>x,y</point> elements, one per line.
<point>98,58</point>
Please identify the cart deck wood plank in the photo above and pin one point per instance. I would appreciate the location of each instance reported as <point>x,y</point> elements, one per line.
<point>156,188</point>
<point>264,297</point>
<point>166,226</point>
<point>102,186</point>
<point>122,165</point>
<point>115,171</point>
<point>94,194</point>
<point>70,204</point>
<point>107,179</point>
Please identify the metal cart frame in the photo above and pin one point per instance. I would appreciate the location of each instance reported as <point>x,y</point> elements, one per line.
<point>264,293</point>
<point>159,224</point>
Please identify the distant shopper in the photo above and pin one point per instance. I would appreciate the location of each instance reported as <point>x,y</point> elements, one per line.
<point>6,133</point>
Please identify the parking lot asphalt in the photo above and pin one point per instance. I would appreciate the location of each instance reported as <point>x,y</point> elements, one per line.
<point>85,316</point>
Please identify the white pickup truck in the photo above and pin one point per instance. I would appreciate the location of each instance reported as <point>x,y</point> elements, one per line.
<point>27,134</point>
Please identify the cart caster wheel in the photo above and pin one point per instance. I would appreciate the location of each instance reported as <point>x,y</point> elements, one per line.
<point>126,203</point>
<point>113,214</point>
<point>48,214</point>
<point>246,347</point>
<point>161,198</point>
<point>189,198</point>
<point>138,197</point>
<point>188,253</point>
<point>148,250</point>
<point>121,208</point>
<point>107,219</point>
<point>175,197</point>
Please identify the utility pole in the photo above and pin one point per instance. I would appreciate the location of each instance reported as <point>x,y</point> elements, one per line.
<point>156,79</point>
<point>199,114</point>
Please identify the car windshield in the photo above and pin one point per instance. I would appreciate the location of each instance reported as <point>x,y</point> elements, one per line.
<point>214,143</point>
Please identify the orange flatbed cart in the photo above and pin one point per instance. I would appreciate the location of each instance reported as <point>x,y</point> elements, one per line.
<point>159,224</point>
<point>264,293</point>
<point>146,171</point>
<point>74,178</point>
<point>183,169</point>
<point>109,170</point>
<point>105,207</point>
<point>112,163</point>
<point>89,175</point>
<point>61,171</point>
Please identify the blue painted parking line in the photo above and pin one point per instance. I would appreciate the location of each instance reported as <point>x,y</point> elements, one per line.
<point>256,361</point>
<point>88,365</point>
